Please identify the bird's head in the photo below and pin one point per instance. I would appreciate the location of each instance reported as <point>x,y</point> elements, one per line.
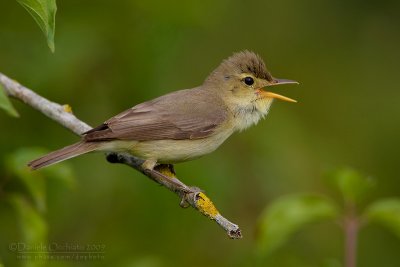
<point>243,82</point>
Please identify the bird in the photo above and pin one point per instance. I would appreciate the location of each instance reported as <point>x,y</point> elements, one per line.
<point>186,124</point>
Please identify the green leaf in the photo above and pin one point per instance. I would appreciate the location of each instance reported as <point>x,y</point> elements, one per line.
<point>61,171</point>
<point>34,180</point>
<point>32,225</point>
<point>5,103</point>
<point>353,186</point>
<point>44,13</point>
<point>287,215</point>
<point>385,212</point>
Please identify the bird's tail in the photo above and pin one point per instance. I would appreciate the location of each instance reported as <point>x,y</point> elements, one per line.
<point>63,154</point>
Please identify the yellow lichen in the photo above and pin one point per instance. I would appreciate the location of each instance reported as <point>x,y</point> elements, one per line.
<point>67,108</point>
<point>205,206</point>
<point>164,169</point>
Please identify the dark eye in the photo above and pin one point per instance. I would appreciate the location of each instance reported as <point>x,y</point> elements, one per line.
<point>248,81</point>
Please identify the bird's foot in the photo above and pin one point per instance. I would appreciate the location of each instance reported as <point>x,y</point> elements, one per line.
<point>189,195</point>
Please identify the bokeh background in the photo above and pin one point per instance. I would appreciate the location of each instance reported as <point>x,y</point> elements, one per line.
<point>112,55</point>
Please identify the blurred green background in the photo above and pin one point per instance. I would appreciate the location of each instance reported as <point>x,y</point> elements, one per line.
<point>112,55</point>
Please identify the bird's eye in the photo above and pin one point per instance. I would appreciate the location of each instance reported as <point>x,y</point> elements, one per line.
<point>248,81</point>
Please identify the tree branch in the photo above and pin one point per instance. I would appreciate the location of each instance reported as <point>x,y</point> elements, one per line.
<point>165,175</point>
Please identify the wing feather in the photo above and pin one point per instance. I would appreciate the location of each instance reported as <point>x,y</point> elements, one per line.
<point>185,114</point>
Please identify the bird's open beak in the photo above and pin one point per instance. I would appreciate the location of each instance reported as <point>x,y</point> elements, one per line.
<point>283,81</point>
<point>267,94</point>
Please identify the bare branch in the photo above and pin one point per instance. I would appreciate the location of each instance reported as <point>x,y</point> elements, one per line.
<point>164,174</point>
<point>52,110</point>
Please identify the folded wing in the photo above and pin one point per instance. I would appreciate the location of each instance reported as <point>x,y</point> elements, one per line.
<point>185,114</point>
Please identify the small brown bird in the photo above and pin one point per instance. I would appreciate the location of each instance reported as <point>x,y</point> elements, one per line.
<point>185,124</point>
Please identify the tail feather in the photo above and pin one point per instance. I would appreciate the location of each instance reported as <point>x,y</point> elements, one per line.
<point>62,154</point>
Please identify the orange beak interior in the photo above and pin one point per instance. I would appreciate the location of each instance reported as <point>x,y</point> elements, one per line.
<point>267,94</point>
<point>273,95</point>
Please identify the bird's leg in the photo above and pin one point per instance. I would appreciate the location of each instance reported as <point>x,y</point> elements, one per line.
<point>171,169</point>
<point>193,196</point>
<point>167,172</point>
<point>185,192</point>
<point>164,174</point>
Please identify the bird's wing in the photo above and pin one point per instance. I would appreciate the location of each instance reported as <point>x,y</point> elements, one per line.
<point>185,114</point>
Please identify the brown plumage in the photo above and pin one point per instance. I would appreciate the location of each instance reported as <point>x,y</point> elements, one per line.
<point>185,124</point>
<point>158,119</point>
<point>62,154</point>
<point>242,62</point>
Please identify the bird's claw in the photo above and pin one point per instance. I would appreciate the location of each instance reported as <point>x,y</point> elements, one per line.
<point>189,196</point>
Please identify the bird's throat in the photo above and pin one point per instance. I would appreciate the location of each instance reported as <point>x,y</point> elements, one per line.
<point>250,114</point>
